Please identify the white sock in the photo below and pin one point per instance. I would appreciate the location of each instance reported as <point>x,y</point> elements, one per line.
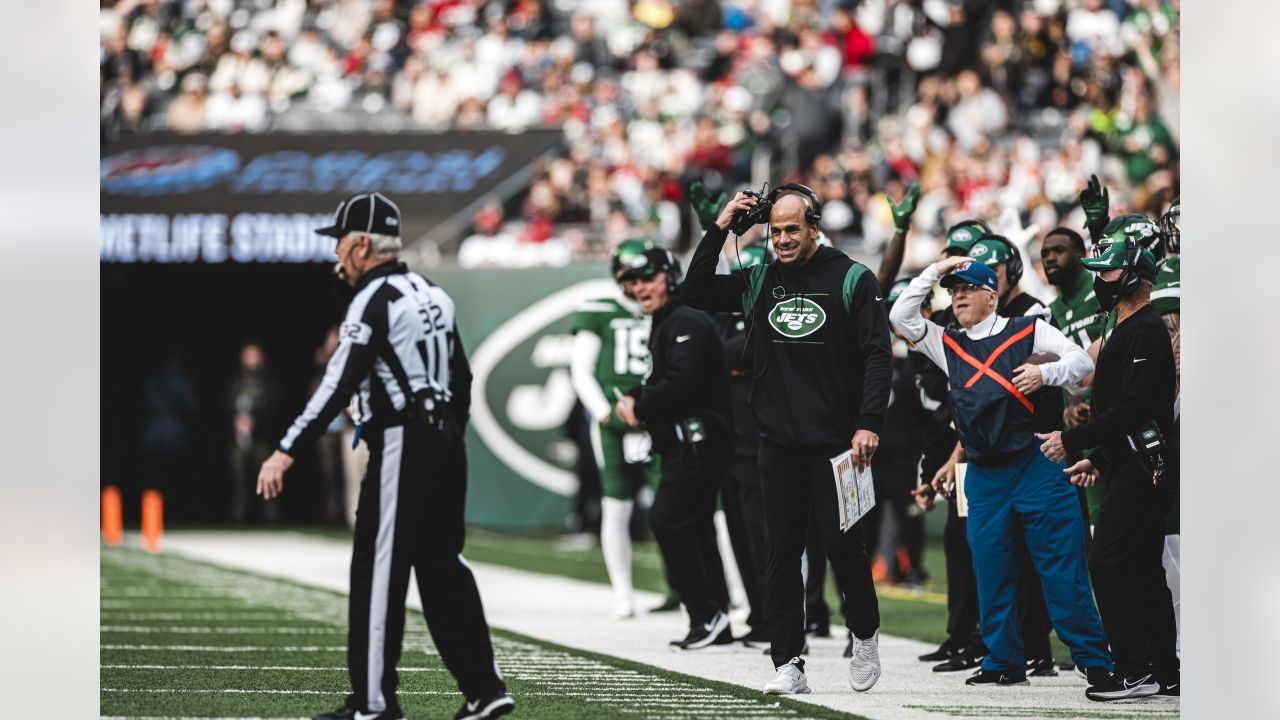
<point>737,591</point>
<point>1172,562</point>
<point>615,543</point>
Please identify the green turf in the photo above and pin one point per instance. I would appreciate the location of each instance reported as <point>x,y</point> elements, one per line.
<point>189,639</point>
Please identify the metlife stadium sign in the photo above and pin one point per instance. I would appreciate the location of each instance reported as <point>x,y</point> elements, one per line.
<point>258,198</point>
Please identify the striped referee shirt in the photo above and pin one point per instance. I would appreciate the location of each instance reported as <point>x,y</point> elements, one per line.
<point>399,338</point>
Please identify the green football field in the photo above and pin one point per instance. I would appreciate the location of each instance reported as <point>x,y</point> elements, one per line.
<point>181,638</point>
<point>187,639</point>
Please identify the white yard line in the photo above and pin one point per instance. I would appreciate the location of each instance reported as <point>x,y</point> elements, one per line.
<point>575,613</point>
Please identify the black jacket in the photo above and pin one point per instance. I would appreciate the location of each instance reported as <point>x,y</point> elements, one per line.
<point>819,341</point>
<point>688,377</point>
<point>1135,382</point>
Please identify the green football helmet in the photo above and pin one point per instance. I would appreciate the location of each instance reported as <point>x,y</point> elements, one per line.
<point>624,255</point>
<point>1171,227</point>
<point>749,256</point>
<point>1133,227</point>
<point>962,236</point>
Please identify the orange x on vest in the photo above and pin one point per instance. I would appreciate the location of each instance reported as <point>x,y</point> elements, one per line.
<point>984,368</point>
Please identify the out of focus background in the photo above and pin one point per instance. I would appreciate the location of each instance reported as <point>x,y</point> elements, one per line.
<point>523,140</point>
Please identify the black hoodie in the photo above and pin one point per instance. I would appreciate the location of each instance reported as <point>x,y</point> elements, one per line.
<point>819,338</point>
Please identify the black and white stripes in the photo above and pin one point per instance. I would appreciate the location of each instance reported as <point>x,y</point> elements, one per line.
<point>399,338</point>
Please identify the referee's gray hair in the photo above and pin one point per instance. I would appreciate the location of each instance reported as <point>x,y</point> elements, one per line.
<point>383,245</point>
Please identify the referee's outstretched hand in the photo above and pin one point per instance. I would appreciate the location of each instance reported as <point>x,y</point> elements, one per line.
<point>271,476</point>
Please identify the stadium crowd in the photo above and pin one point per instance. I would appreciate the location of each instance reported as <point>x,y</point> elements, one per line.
<point>995,107</point>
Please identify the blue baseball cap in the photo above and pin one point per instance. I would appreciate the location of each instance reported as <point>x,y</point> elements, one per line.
<point>974,273</point>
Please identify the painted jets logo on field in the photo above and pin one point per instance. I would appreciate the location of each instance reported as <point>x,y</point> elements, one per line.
<point>797,317</point>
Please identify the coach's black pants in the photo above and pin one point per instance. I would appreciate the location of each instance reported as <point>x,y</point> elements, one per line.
<point>1128,577</point>
<point>745,517</point>
<point>682,519</point>
<point>962,586</point>
<point>410,515</point>
<point>798,489</point>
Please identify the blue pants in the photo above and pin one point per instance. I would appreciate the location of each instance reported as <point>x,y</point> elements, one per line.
<point>1030,500</point>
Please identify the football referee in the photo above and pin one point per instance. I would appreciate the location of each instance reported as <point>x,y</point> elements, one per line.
<point>401,365</point>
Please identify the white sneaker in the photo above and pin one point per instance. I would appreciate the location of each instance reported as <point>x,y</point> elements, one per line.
<point>790,680</point>
<point>623,609</point>
<point>864,668</point>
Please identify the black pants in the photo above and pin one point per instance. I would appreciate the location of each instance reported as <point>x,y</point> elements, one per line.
<point>744,515</point>
<point>1128,578</point>
<point>410,515</point>
<point>962,585</point>
<point>798,489</point>
<point>682,519</point>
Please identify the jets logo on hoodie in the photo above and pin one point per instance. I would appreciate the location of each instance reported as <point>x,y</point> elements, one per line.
<point>797,317</point>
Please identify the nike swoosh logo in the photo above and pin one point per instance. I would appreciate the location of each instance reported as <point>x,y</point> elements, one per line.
<point>682,338</point>
<point>879,299</point>
<point>1138,360</point>
<point>367,716</point>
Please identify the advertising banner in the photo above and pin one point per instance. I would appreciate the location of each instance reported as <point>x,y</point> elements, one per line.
<point>515,327</point>
<point>256,198</point>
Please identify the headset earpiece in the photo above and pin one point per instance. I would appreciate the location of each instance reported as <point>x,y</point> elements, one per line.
<point>813,208</point>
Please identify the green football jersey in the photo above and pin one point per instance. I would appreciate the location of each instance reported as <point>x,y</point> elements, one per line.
<point>624,343</point>
<point>1077,312</point>
<point>1166,291</point>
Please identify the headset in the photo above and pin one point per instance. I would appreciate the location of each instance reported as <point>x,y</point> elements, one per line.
<point>1012,268</point>
<point>813,209</point>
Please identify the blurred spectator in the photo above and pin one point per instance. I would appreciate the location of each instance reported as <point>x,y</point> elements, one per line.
<point>170,413</point>
<point>186,114</point>
<point>732,92</point>
<point>251,400</point>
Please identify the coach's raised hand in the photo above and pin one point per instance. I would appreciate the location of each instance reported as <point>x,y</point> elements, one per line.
<point>271,476</point>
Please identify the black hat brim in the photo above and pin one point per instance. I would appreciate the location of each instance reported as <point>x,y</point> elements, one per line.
<point>332,231</point>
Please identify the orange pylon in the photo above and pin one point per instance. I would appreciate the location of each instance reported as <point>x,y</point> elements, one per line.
<point>152,520</point>
<point>112,523</point>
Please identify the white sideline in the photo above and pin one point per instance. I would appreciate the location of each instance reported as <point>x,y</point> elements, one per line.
<point>576,614</point>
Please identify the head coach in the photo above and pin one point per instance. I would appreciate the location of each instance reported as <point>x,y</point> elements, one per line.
<point>821,373</point>
<point>401,366</point>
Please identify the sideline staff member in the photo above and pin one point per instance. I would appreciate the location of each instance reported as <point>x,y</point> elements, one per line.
<point>1133,394</point>
<point>820,385</point>
<point>400,364</point>
<point>1013,492</point>
<point>684,402</point>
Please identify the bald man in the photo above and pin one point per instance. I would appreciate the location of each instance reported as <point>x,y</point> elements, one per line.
<point>819,338</point>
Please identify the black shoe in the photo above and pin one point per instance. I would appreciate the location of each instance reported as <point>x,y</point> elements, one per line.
<point>713,632</point>
<point>942,653</point>
<point>1118,687</point>
<point>966,660</point>
<point>1095,675</point>
<point>485,708</point>
<point>1170,683</point>
<point>756,636</point>
<point>1042,667</point>
<point>342,713</point>
<point>996,677</point>
<point>669,604</point>
<point>349,713</point>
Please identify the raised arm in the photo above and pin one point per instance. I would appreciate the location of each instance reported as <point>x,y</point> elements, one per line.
<point>703,288</point>
<point>920,333</point>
